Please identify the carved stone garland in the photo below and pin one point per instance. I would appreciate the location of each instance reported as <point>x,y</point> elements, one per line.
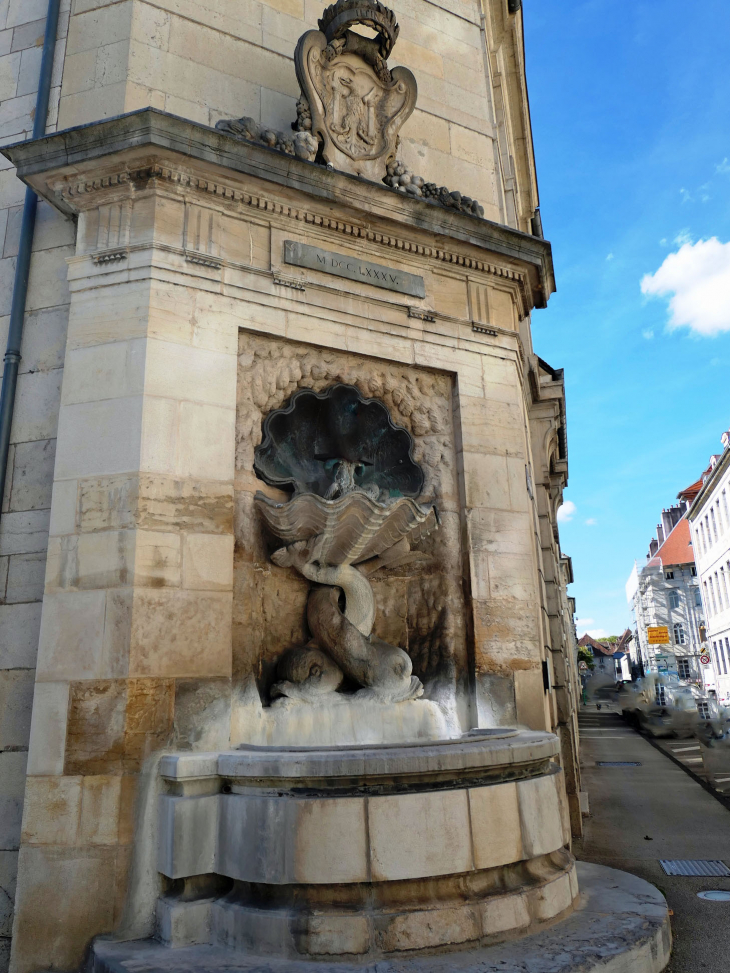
<point>355,485</point>
<point>352,105</point>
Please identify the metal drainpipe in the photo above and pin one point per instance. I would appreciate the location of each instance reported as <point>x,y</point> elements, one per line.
<point>22,266</point>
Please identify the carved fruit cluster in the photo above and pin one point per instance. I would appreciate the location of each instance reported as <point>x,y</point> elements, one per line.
<point>405,181</point>
<point>304,116</point>
<point>302,144</point>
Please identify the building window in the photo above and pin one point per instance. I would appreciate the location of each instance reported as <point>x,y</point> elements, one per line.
<point>674,599</point>
<point>724,660</point>
<point>669,575</point>
<point>707,598</point>
<point>679,638</point>
<point>661,695</point>
<point>719,593</point>
<point>724,585</point>
<point>712,596</point>
<point>724,507</point>
<point>684,670</point>
<point>703,539</point>
<point>703,709</point>
<point>698,598</point>
<point>717,657</point>
<point>707,528</point>
<point>693,571</point>
<point>719,517</point>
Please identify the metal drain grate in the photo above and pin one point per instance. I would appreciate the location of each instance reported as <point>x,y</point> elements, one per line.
<point>618,763</point>
<point>683,866</point>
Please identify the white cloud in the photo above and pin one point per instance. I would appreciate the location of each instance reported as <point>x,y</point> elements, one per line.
<point>684,236</point>
<point>686,197</point>
<point>648,334</point>
<point>696,279</point>
<point>609,257</point>
<point>566,511</point>
<point>584,622</point>
<point>598,633</point>
<point>724,167</point>
<point>591,522</point>
<point>663,242</point>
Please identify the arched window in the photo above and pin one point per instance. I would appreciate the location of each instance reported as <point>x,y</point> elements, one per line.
<point>679,634</point>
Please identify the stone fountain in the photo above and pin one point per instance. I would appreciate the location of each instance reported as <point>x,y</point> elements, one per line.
<point>304,592</point>
<point>373,832</point>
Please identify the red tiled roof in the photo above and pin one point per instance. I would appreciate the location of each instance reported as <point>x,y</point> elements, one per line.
<point>677,548</point>
<point>603,648</point>
<point>690,492</point>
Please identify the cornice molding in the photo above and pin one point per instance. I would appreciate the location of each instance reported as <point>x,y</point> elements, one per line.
<point>72,153</point>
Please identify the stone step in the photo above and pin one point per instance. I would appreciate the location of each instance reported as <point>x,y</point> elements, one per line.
<point>622,922</point>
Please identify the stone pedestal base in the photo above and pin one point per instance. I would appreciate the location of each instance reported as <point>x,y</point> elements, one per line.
<point>620,925</point>
<point>364,851</point>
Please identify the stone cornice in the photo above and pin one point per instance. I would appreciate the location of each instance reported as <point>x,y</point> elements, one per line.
<point>709,485</point>
<point>73,150</point>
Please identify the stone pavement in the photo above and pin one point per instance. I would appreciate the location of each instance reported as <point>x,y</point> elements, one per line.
<point>639,815</point>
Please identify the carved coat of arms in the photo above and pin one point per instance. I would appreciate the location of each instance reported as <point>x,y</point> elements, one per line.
<point>357,104</point>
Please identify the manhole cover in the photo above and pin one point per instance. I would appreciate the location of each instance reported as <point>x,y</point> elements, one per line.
<point>618,763</point>
<point>682,866</point>
<point>715,895</point>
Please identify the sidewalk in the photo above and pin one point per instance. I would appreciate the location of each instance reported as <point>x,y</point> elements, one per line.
<point>656,810</point>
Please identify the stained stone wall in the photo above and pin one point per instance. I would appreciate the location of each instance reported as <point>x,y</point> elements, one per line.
<point>27,499</point>
<point>420,609</point>
<point>201,59</point>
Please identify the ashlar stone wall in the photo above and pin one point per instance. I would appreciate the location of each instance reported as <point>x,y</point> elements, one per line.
<point>27,500</point>
<point>203,60</point>
<point>136,646</point>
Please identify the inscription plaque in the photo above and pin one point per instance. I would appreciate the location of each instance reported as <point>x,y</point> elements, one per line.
<point>353,268</point>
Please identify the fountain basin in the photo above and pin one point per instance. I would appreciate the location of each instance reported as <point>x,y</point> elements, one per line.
<point>364,851</point>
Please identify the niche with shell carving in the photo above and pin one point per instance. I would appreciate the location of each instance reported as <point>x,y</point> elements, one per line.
<point>418,603</point>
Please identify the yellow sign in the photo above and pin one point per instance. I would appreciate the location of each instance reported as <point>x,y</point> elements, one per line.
<point>658,634</point>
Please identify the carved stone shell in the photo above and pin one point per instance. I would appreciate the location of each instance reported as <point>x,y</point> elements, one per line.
<point>305,443</point>
<point>352,528</point>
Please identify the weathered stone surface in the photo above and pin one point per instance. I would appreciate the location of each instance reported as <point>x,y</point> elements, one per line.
<point>16,703</point>
<point>89,911</point>
<point>621,920</point>
<point>114,725</point>
<point>19,628</point>
<point>327,262</point>
<point>32,475</point>
<point>12,775</point>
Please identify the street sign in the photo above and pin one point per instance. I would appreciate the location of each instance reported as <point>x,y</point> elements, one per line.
<point>705,660</point>
<point>658,634</point>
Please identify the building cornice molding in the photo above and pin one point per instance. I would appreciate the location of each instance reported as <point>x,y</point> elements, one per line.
<point>708,486</point>
<point>68,155</point>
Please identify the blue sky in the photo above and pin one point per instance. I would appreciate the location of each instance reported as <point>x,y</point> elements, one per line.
<point>630,107</point>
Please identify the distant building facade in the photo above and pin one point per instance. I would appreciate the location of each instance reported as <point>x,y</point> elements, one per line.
<point>610,658</point>
<point>666,592</point>
<point>709,522</point>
